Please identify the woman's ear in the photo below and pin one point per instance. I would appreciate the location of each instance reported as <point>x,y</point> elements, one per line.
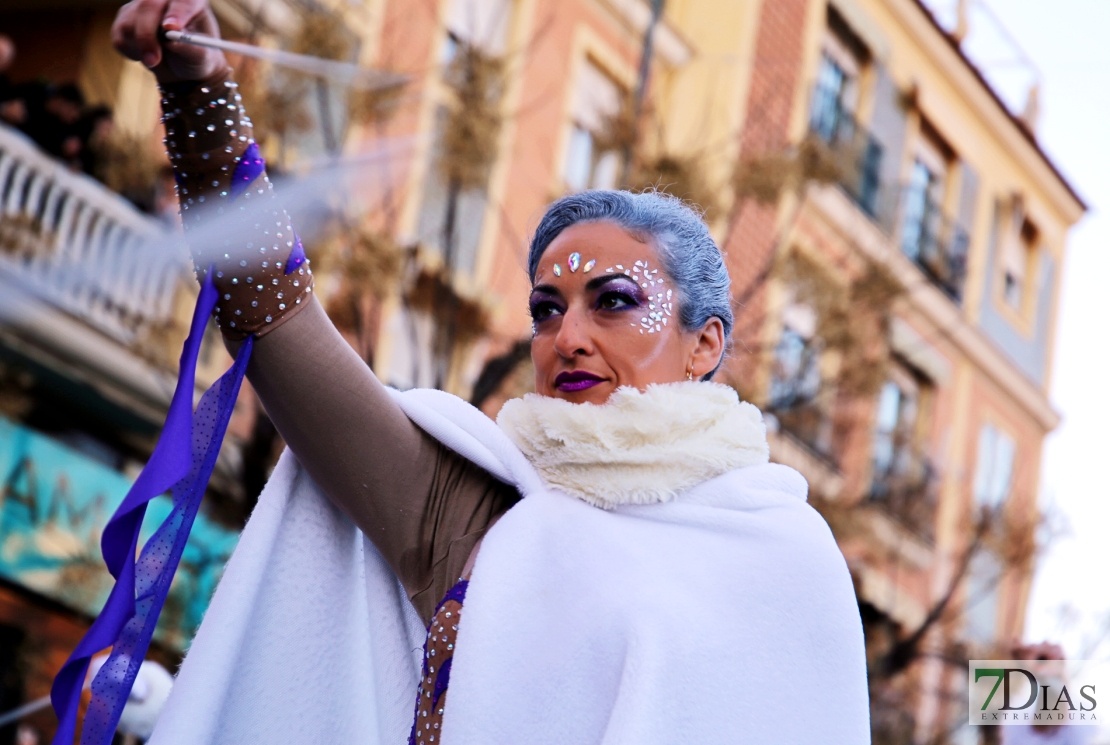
<point>709,347</point>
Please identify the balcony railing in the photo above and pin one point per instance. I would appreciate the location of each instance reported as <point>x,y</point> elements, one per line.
<point>73,244</point>
<point>846,152</point>
<point>795,397</point>
<point>853,157</point>
<point>905,485</point>
<point>934,241</point>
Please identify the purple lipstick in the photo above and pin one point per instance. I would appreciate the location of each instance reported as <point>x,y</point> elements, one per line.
<point>578,380</point>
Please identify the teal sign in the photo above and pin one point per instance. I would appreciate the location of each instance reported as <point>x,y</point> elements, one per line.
<point>54,503</point>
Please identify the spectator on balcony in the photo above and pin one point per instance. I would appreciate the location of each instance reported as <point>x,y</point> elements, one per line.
<point>13,109</point>
<point>96,130</point>
<point>55,126</point>
<point>7,56</point>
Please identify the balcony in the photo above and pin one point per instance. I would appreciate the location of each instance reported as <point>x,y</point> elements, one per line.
<point>934,241</point>
<point>90,288</point>
<point>797,398</point>
<point>72,245</point>
<point>904,485</point>
<point>843,151</point>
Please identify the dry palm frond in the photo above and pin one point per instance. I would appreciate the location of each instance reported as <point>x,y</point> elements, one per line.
<point>763,178</point>
<point>277,109</point>
<point>816,161</point>
<point>323,33</point>
<point>126,165</point>
<point>682,176</point>
<point>474,118</point>
<point>373,263</point>
<point>432,293</point>
<point>158,343</point>
<point>369,262</point>
<point>852,319</point>
<point>369,105</point>
<point>620,131</point>
<point>767,176</point>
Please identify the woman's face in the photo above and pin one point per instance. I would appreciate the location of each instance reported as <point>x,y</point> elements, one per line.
<point>605,315</point>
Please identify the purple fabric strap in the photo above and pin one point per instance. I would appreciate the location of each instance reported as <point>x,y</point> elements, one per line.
<point>181,464</point>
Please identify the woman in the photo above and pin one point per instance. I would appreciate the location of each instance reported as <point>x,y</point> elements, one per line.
<point>658,582</point>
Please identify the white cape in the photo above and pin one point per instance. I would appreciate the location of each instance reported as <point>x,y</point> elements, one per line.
<point>726,615</point>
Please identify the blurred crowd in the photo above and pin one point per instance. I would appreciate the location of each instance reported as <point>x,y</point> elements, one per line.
<point>55,116</point>
<point>83,137</point>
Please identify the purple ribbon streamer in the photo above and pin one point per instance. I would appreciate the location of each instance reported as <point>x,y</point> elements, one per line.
<point>182,463</point>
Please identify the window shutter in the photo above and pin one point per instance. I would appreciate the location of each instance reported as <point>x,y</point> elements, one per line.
<point>969,193</point>
<point>888,125</point>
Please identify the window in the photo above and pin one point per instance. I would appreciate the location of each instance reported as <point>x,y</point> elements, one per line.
<point>836,95</point>
<point>929,236</point>
<point>923,198</point>
<point>451,217</point>
<point>795,371</point>
<point>984,575</point>
<point>483,24</point>
<point>1019,249</point>
<point>994,467</point>
<point>902,477</point>
<point>836,99</point>
<point>450,220</point>
<point>895,423</point>
<point>597,100</point>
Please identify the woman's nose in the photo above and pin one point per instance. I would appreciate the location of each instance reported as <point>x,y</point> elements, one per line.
<point>573,338</point>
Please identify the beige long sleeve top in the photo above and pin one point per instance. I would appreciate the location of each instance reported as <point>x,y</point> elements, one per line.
<point>424,507</point>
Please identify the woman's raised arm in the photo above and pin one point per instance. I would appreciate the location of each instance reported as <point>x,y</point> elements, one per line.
<point>424,507</point>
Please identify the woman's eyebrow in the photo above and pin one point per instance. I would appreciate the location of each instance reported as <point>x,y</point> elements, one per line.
<point>597,282</point>
<point>545,290</point>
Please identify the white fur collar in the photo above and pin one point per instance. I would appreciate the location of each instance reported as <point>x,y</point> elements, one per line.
<point>638,447</point>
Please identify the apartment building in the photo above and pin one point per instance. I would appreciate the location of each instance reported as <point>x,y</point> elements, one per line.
<point>901,300</point>
<point>895,235</point>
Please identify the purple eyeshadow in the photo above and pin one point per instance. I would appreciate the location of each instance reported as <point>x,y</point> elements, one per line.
<point>626,286</point>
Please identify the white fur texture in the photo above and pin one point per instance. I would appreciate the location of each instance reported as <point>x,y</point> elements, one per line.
<point>726,615</point>
<point>639,447</point>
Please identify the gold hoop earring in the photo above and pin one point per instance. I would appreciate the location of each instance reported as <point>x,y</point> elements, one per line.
<point>689,374</point>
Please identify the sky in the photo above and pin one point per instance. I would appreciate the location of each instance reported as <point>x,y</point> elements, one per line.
<point>1068,41</point>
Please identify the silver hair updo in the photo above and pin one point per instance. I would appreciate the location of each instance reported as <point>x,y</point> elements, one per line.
<point>681,238</point>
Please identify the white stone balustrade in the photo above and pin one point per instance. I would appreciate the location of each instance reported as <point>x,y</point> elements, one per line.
<point>83,249</point>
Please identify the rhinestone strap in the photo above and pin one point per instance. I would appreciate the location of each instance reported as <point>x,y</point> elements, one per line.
<point>218,168</point>
<point>435,676</point>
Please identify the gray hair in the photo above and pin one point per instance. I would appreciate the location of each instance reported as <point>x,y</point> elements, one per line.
<point>687,251</point>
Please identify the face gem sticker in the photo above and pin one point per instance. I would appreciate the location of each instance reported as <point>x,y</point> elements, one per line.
<point>660,304</point>
<point>574,261</point>
<point>558,270</point>
<point>589,265</point>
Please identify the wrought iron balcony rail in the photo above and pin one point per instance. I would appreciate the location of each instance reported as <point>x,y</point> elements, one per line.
<point>798,407</point>
<point>83,249</point>
<point>849,154</point>
<point>904,485</point>
<point>844,151</point>
<point>934,241</point>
